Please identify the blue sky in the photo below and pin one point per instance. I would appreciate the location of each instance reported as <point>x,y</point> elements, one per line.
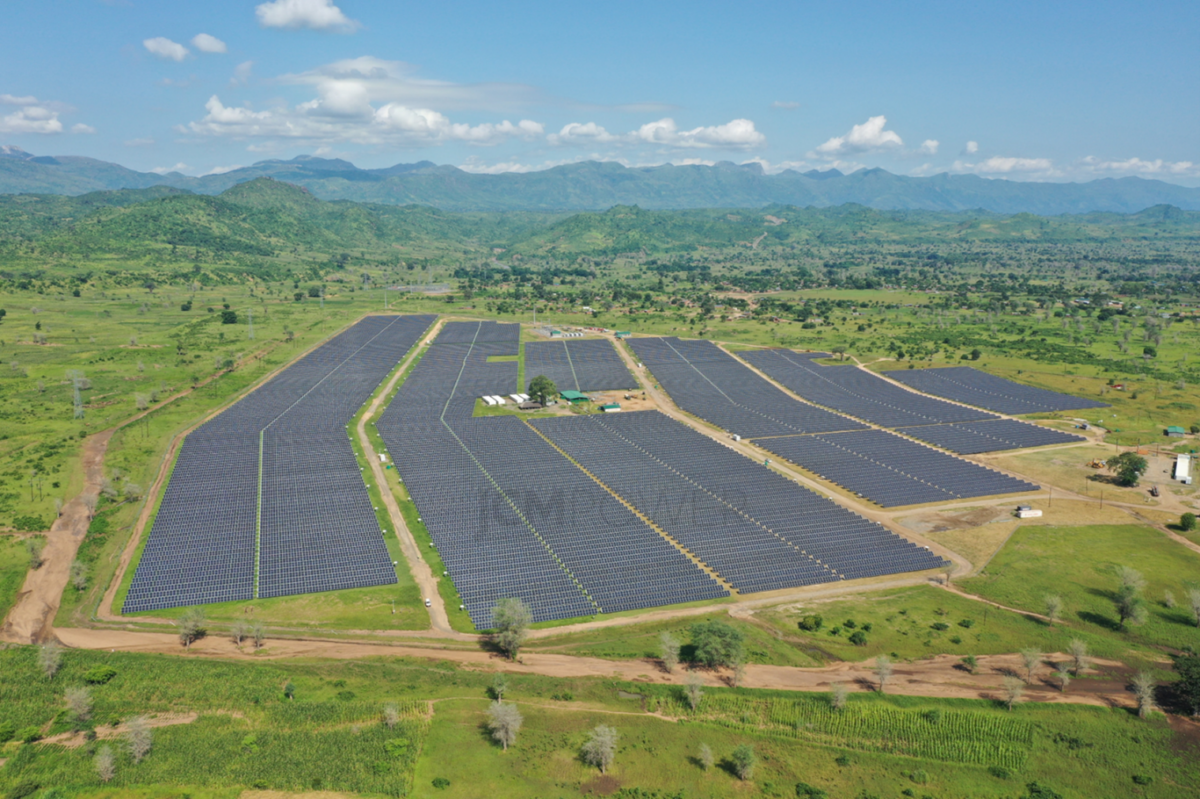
<point>1027,91</point>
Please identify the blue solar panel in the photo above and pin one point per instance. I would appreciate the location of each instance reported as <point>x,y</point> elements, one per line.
<point>973,387</point>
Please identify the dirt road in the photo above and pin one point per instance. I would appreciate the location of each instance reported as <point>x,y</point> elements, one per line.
<point>941,676</point>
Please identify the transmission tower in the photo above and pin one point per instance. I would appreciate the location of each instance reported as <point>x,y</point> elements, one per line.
<point>76,377</point>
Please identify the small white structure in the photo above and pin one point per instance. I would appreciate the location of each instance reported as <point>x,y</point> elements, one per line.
<point>489,401</point>
<point>382,457</point>
<point>499,400</point>
<point>1027,512</point>
<point>1183,468</point>
<point>515,398</point>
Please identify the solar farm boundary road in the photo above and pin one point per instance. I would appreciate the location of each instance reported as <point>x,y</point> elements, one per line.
<point>784,468</point>
<point>636,512</point>
<point>104,610</point>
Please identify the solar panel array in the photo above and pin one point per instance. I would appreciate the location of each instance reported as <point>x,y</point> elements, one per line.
<point>976,437</point>
<point>854,391</point>
<point>578,365</point>
<point>318,531</point>
<point>965,384</point>
<point>890,470</point>
<point>755,528</point>
<point>707,382</point>
<point>510,516</point>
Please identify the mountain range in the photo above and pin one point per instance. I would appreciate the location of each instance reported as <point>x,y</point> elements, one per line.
<point>596,185</point>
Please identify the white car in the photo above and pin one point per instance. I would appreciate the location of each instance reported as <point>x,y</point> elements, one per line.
<point>428,603</point>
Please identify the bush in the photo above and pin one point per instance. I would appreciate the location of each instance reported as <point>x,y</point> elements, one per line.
<point>803,789</point>
<point>811,623</point>
<point>7,731</point>
<point>29,734</point>
<point>999,772</point>
<point>1142,779</point>
<point>1187,521</point>
<point>858,638</point>
<point>229,317</point>
<point>967,623</point>
<point>941,626</point>
<point>99,675</point>
<point>29,524</point>
<point>441,782</point>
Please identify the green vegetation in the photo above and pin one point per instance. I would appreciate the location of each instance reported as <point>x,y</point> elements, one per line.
<point>1084,566</point>
<point>14,564</point>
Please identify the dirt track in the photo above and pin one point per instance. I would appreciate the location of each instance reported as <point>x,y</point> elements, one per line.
<point>941,676</point>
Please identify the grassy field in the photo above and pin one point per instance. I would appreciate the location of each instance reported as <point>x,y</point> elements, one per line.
<point>14,565</point>
<point>330,736</point>
<point>1080,564</point>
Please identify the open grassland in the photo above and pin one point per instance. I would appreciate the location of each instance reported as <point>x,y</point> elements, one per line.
<point>246,733</point>
<point>14,565</point>
<point>1081,565</point>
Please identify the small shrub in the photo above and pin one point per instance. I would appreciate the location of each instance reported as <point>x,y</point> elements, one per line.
<point>7,731</point>
<point>441,782</point>
<point>842,760</point>
<point>941,626</point>
<point>806,791</point>
<point>1187,521</point>
<point>999,772</point>
<point>850,624</point>
<point>866,628</point>
<point>956,639</point>
<point>967,623</point>
<point>29,734</point>
<point>858,638</point>
<point>835,630</point>
<point>811,623</point>
<point>99,675</point>
<point>346,696</point>
<point>1142,779</point>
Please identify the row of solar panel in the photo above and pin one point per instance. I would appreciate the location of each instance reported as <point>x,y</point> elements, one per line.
<point>318,530</point>
<point>578,364</point>
<point>973,387</point>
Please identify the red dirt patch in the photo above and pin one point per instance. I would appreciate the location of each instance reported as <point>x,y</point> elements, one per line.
<point>604,785</point>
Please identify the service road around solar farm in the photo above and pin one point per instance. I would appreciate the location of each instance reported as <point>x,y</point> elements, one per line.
<point>578,515</point>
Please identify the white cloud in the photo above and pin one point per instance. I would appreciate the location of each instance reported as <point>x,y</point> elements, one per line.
<point>30,116</point>
<point>804,166</point>
<point>738,134</point>
<point>82,128</point>
<point>581,133</point>
<point>1137,166</point>
<point>320,15</point>
<point>342,114</point>
<point>163,170</point>
<point>219,170</point>
<point>971,148</point>
<point>242,73</point>
<point>929,147</point>
<point>1003,165</point>
<point>785,105</point>
<point>862,138</point>
<point>208,44</point>
<point>165,48</point>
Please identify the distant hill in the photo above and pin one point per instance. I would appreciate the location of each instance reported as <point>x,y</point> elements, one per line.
<point>594,185</point>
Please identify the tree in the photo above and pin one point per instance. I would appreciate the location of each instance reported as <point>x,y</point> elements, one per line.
<point>191,626</point>
<point>542,389</point>
<point>1054,608</point>
<point>1128,468</point>
<point>976,354</point>
<point>971,663</point>
<point>1013,690</point>
<point>499,686</point>
<point>693,690</point>
<point>33,548</point>
<point>239,632</point>
<point>50,658</point>
<point>1079,656</point>
<point>1193,596</point>
<point>739,672</point>
<point>1188,684</point>
<point>668,646</point>
<point>79,575</point>
<point>79,705</point>
<point>229,317</point>
<point>289,689</point>
<point>1030,659</point>
<point>511,619</point>
<point>106,764</point>
<point>391,715</point>
<point>258,634</point>
<point>138,736</point>
<point>1187,522</point>
<point>883,670</point>
<point>716,644</point>
<point>1131,608</point>
<point>706,757</point>
<point>1064,679</point>
<point>1143,691</point>
<point>601,747</point>
<point>744,759</point>
<point>839,694</point>
<point>504,721</point>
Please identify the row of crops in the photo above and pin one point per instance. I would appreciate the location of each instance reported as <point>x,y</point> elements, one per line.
<point>956,736</point>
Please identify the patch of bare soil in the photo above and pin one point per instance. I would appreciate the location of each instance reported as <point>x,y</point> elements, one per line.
<point>604,785</point>
<point>73,740</point>
<point>939,522</point>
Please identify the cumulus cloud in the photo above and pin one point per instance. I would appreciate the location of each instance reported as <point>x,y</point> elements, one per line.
<point>1137,166</point>
<point>219,170</point>
<point>785,105</point>
<point>208,44</point>
<point>164,170</point>
<point>478,166</point>
<point>870,135</point>
<point>82,128</point>
<point>342,114</point>
<point>929,147</point>
<point>163,47</point>
<point>30,115</point>
<point>805,166</point>
<point>971,148</point>
<point>582,133</point>
<point>738,134</point>
<point>320,15</point>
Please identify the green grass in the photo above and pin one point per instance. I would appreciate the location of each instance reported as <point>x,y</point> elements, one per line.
<point>1081,564</point>
<point>14,565</point>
